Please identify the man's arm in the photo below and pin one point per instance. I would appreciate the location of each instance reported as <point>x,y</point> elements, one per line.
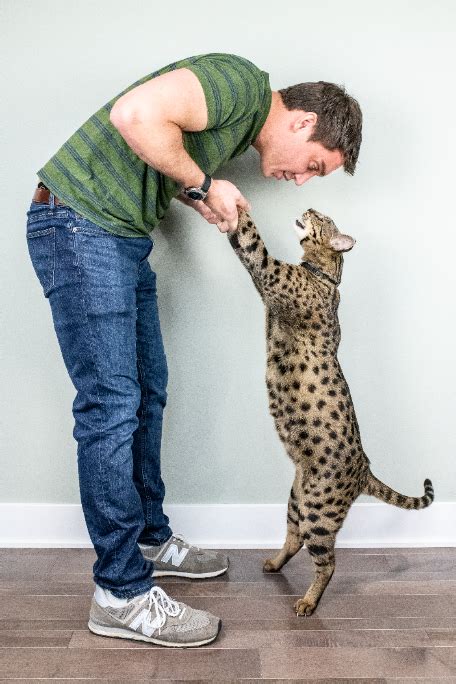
<point>152,116</point>
<point>151,119</point>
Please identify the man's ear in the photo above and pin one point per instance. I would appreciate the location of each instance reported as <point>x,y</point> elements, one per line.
<point>304,120</point>
<point>341,243</point>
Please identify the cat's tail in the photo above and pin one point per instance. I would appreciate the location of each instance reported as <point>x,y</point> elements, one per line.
<point>377,488</point>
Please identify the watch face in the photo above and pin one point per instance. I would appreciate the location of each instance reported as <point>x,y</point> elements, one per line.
<point>194,195</point>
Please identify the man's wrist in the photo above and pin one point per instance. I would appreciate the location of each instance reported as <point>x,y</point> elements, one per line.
<point>196,181</point>
<point>198,192</point>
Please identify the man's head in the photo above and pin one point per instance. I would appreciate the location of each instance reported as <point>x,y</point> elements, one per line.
<point>312,129</point>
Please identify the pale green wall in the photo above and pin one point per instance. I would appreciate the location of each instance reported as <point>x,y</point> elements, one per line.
<point>66,59</point>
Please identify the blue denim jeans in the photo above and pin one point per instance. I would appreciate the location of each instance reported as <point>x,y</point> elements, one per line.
<point>103,300</point>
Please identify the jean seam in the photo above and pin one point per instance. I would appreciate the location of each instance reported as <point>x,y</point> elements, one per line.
<point>143,383</point>
<point>59,212</point>
<point>39,233</point>
<point>53,259</point>
<point>142,442</point>
<point>115,564</point>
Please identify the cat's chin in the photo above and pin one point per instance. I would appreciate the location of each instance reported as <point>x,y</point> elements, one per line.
<point>300,230</point>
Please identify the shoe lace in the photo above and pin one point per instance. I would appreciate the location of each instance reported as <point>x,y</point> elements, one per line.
<point>163,605</point>
<point>181,538</point>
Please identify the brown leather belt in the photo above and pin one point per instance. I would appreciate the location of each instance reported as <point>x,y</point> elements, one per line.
<point>42,194</point>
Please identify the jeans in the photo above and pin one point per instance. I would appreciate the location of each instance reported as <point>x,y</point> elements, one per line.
<point>103,300</point>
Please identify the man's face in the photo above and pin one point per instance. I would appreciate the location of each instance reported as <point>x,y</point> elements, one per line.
<point>286,152</point>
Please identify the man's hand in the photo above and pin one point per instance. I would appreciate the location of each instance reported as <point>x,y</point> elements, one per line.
<point>200,207</point>
<point>223,199</point>
<point>220,206</point>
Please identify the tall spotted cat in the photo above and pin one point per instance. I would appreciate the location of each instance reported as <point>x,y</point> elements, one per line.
<point>308,395</point>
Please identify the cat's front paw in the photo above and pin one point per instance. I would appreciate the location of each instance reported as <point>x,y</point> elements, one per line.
<point>304,607</point>
<point>270,566</point>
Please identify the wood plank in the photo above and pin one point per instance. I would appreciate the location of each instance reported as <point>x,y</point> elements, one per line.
<point>280,585</point>
<point>270,585</point>
<point>25,638</point>
<point>442,637</point>
<point>348,606</point>
<point>245,564</point>
<point>274,607</point>
<point>250,680</point>
<point>291,623</point>
<point>46,624</point>
<point>294,663</point>
<point>46,560</point>
<point>111,680</point>
<point>238,639</point>
<point>95,680</point>
<point>284,623</point>
<point>149,663</point>
<point>358,680</point>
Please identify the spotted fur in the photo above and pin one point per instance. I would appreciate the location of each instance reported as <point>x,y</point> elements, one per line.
<point>309,398</point>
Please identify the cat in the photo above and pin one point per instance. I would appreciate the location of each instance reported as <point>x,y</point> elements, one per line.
<point>309,398</point>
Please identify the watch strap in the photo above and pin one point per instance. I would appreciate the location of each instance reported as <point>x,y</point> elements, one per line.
<point>207,183</point>
<point>203,188</point>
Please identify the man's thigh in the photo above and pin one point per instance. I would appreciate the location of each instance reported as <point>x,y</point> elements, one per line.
<point>90,277</point>
<point>152,363</point>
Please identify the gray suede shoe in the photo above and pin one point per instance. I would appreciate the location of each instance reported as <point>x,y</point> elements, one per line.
<point>177,557</point>
<point>154,617</point>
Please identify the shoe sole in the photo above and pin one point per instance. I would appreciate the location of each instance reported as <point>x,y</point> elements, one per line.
<point>102,630</point>
<point>191,575</point>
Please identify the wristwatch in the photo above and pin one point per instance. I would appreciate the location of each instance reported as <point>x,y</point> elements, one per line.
<point>199,193</point>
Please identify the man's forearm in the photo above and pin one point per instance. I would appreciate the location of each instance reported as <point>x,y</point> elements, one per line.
<point>160,145</point>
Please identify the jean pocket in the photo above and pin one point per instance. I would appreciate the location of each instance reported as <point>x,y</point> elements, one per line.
<point>41,247</point>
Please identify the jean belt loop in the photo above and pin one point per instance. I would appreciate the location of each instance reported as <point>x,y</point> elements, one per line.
<point>51,201</point>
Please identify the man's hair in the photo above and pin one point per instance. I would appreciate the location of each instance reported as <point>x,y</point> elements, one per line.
<point>339,121</point>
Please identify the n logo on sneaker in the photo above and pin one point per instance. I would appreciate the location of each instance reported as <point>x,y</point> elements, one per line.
<point>173,555</point>
<point>140,620</point>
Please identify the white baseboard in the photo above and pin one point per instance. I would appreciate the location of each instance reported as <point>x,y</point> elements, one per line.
<point>370,525</point>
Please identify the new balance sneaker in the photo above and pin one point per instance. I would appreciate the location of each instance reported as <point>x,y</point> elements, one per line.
<point>179,558</point>
<point>153,617</point>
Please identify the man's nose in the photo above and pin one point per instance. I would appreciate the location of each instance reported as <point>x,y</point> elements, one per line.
<point>301,178</point>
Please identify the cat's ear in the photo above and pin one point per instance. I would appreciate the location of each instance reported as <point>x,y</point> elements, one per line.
<point>341,243</point>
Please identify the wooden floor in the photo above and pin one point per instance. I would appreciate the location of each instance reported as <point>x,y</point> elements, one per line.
<point>388,615</point>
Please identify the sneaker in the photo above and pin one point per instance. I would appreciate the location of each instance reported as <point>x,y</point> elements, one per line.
<point>177,557</point>
<point>153,617</point>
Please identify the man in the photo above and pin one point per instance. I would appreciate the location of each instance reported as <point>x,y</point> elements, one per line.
<point>88,234</point>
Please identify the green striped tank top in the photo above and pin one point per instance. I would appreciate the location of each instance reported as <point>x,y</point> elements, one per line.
<point>97,174</point>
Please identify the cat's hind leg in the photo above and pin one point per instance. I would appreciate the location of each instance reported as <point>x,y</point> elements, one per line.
<point>320,544</point>
<point>293,542</point>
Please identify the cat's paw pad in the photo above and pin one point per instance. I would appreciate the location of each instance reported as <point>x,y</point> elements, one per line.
<point>304,607</point>
<point>269,566</point>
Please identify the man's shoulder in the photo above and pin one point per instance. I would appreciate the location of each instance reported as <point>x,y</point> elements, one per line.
<point>221,59</point>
